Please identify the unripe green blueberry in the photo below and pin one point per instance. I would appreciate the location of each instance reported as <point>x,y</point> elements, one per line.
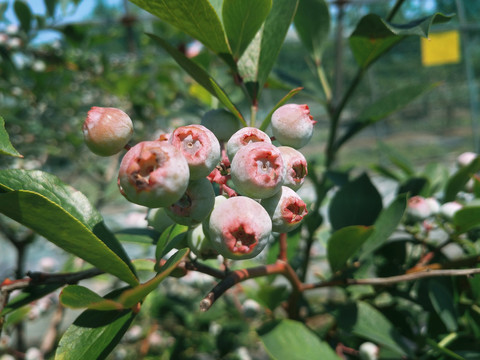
<point>153,174</point>
<point>296,167</point>
<point>292,125</point>
<point>258,170</point>
<point>199,146</point>
<point>221,122</point>
<point>158,219</point>
<point>239,228</point>
<point>200,244</point>
<point>195,204</point>
<point>286,209</point>
<point>107,130</point>
<point>243,137</point>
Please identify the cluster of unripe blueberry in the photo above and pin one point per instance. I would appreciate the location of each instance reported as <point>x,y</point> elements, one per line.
<point>177,171</point>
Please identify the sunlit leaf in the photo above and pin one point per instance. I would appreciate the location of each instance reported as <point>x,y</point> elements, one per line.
<point>374,36</point>
<point>80,297</point>
<point>197,18</point>
<point>292,340</point>
<point>258,59</point>
<point>242,19</point>
<point>6,147</point>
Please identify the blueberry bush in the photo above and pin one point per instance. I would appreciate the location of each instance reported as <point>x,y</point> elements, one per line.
<point>252,250</point>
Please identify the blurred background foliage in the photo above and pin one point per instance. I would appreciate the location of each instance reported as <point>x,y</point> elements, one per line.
<point>55,65</point>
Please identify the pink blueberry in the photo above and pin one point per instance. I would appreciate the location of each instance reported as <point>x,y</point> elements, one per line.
<point>466,159</point>
<point>153,174</point>
<point>286,209</point>
<point>221,122</point>
<point>243,137</point>
<point>292,125</point>
<point>296,167</point>
<point>199,146</point>
<point>107,130</point>
<point>418,208</point>
<point>195,204</point>
<point>258,170</point>
<point>239,228</point>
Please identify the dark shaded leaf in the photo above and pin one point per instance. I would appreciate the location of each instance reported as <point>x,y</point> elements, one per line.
<point>356,203</point>
<point>345,243</point>
<point>457,181</point>
<point>24,14</point>
<point>312,22</point>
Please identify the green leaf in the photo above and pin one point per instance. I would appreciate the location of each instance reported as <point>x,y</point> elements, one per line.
<point>167,237</point>
<point>6,147</point>
<point>60,227</point>
<point>287,97</point>
<point>292,340</point>
<point>386,105</point>
<point>50,5</point>
<point>24,14</point>
<point>386,224</point>
<point>345,243</point>
<point>466,219</point>
<point>312,22</point>
<point>397,159</point>
<point>374,36</point>
<point>443,303</point>
<point>197,18</point>
<point>79,297</point>
<point>457,181</point>
<point>257,61</point>
<point>363,320</point>
<point>414,186</point>
<point>199,75</point>
<point>356,203</point>
<point>138,235</point>
<point>138,293</point>
<point>94,334</point>
<point>29,295</point>
<point>242,19</point>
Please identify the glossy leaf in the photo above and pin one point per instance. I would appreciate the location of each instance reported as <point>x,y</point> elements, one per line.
<point>138,235</point>
<point>368,323</point>
<point>345,243</point>
<point>457,181</point>
<point>374,36</point>
<point>258,59</point>
<point>137,294</point>
<point>466,219</point>
<point>6,147</point>
<point>384,106</point>
<point>356,203</point>
<point>242,19</point>
<point>28,295</point>
<point>60,227</point>
<point>167,237</point>
<point>66,197</point>
<point>197,18</point>
<point>24,14</point>
<point>287,97</point>
<point>312,22</point>
<point>443,303</point>
<point>94,334</point>
<point>386,224</point>
<point>199,75</point>
<point>292,340</point>
<point>80,297</point>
